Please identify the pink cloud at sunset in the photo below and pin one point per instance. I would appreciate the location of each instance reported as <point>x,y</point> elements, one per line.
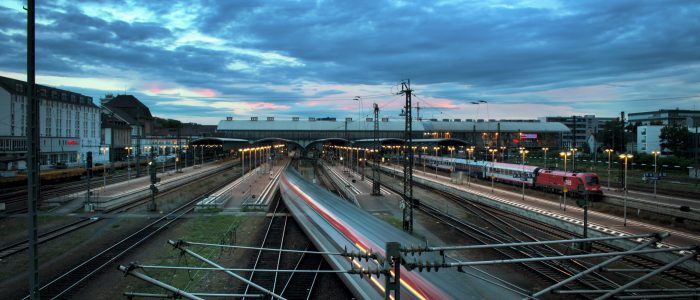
<point>204,92</point>
<point>264,105</point>
<point>154,88</point>
<point>582,93</point>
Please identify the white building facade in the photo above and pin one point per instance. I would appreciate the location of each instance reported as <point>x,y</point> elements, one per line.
<point>69,126</point>
<point>648,138</point>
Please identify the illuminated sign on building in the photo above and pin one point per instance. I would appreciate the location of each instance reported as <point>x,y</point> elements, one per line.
<point>528,135</point>
<point>72,142</point>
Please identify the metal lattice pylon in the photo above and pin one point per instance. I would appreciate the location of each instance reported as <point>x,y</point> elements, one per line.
<point>408,201</point>
<point>375,154</point>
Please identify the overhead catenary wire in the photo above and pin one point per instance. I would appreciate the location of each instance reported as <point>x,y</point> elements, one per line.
<point>240,269</point>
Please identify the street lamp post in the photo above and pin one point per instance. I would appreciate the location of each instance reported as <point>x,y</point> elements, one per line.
<point>470,151</point>
<point>565,189</point>
<point>184,154</point>
<point>545,149</point>
<point>436,159</point>
<point>128,163</point>
<point>523,152</point>
<point>625,157</point>
<point>194,156</point>
<point>656,175</point>
<point>573,159</point>
<point>242,151</point>
<point>255,157</point>
<point>104,169</point>
<point>609,152</point>
<point>163,155</point>
<point>452,166</point>
<point>493,165</point>
<point>424,148</point>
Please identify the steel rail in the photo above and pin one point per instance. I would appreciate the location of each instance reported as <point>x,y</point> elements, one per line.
<point>547,242</point>
<point>118,244</point>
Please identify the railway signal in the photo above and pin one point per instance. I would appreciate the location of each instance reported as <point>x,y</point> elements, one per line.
<point>88,167</point>
<point>154,190</point>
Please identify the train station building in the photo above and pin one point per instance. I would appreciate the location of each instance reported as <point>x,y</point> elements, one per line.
<point>309,133</point>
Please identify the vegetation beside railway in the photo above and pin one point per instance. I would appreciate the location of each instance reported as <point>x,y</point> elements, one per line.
<point>227,229</point>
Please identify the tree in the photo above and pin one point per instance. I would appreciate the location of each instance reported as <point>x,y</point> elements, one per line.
<point>675,138</point>
<point>610,135</point>
<point>632,127</point>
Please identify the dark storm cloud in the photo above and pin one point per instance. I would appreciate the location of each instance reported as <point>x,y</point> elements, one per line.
<point>374,41</point>
<point>457,51</point>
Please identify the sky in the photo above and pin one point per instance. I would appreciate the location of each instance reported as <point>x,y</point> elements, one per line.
<point>205,60</point>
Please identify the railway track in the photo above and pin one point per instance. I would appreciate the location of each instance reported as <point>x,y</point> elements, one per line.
<point>509,233</point>
<point>676,275</point>
<point>14,248</point>
<point>282,233</point>
<point>15,199</point>
<point>62,286</point>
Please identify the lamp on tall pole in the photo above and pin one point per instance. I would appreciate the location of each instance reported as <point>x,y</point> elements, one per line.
<point>609,152</point>
<point>545,149</point>
<point>625,157</point>
<point>162,147</point>
<point>656,175</point>
<point>424,148</point>
<point>523,152</point>
<point>567,181</point>
<point>242,151</point>
<point>436,161</point>
<point>128,163</point>
<point>104,151</point>
<point>470,151</point>
<point>493,164</point>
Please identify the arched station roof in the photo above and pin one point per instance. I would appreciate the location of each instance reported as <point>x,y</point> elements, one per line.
<point>326,140</point>
<point>217,140</point>
<point>274,139</point>
<point>415,141</point>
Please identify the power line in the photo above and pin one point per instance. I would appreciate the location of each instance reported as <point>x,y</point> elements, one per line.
<point>274,98</point>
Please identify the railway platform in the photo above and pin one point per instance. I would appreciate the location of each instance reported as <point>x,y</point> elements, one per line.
<point>566,211</point>
<point>254,190</point>
<point>385,206</point>
<point>109,195</point>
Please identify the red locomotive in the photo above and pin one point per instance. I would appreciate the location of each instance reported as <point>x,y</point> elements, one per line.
<point>574,183</point>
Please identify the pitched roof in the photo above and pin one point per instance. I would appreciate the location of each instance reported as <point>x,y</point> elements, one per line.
<point>129,105</point>
<point>19,87</point>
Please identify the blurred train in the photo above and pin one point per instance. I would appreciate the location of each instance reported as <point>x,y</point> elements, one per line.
<point>335,225</point>
<point>573,183</point>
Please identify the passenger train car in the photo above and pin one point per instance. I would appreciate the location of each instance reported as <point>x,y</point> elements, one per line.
<point>577,184</point>
<point>335,225</point>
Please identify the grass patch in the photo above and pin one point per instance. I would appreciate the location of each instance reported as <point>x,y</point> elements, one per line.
<point>393,221</point>
<point>206,229</point>
<point>210,210</point>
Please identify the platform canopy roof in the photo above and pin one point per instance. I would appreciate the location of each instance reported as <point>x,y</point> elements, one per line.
<point>415,141</point>
<point>390,125</point>
<point>218,140</point>
<point>306,125</point>
<point>506,126</point>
